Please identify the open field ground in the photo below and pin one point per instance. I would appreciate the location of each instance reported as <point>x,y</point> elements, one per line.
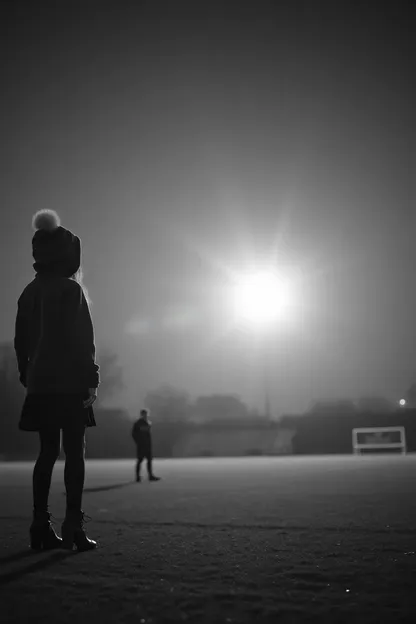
<point>292,539</point>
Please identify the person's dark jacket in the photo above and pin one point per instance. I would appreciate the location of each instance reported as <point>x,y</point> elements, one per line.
<point>141,434</point>
<point>54,337</point>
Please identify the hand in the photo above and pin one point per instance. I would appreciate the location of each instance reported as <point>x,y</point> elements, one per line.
<point>92,397</point>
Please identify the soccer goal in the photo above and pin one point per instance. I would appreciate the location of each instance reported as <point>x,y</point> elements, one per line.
<point>376,439</point>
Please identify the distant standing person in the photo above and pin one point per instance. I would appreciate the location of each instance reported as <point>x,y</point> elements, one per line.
<point>142,436</point>
<point>54,344</point>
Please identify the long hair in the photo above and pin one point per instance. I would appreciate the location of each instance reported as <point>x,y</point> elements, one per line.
<point>79,278</point>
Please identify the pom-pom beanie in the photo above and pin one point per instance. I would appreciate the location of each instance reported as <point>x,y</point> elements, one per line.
<point>56,250</point>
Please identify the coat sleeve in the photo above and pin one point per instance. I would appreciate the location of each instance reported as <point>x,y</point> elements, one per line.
<point>21,342</point>
<point>79,318</point>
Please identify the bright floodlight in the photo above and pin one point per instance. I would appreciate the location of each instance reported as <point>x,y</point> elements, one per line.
<point>261,298</point>
<point>402,402</point>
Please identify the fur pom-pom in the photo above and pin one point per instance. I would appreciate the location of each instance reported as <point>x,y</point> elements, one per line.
<point>46,220</point>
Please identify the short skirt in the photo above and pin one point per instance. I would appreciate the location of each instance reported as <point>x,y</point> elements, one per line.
<point>41,411</point>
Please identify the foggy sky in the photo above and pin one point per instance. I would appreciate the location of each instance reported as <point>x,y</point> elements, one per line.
<point>182,139</point>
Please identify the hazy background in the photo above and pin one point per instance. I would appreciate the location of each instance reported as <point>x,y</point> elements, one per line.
<point>183,140</point>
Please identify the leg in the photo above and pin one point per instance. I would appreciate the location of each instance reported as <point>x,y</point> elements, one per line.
<point>73,438</point>
<point>42,534</point>
<point>150,468</point>
<point>72,527</point>
<point>149,465</point>
<point>138,466</point>
<point>50,442</point>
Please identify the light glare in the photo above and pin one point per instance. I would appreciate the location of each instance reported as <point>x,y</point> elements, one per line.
<point>262,297</point>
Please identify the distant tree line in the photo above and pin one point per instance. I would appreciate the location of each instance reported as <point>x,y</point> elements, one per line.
<point>324,428</point>
<point>173,414</point>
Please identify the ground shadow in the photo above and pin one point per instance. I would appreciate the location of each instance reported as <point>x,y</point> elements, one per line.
<point>104,488</point>
<point>9,577</point>
<point>23,554</point>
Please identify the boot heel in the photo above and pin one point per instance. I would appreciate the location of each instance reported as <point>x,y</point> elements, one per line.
<point>42,534</point>
<point>82,542</point>
<point>67,537</point>
<point>73,533</point>
<point>35,540</point>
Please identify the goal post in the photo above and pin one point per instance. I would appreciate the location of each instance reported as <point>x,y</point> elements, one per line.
<point>378,439</point>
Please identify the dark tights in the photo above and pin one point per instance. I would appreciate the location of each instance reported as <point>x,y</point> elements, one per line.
<point>73,441</point>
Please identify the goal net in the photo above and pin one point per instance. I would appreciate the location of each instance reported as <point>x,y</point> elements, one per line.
<point>379,440</point>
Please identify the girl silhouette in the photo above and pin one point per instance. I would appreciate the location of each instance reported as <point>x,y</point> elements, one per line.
<point>54,344</point>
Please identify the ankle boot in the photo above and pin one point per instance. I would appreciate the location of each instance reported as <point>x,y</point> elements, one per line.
<point>42,533</point>
<point>73,532</point>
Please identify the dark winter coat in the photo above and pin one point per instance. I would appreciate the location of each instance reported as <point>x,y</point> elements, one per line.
<point>141,434</point>
<point>54,338</point>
